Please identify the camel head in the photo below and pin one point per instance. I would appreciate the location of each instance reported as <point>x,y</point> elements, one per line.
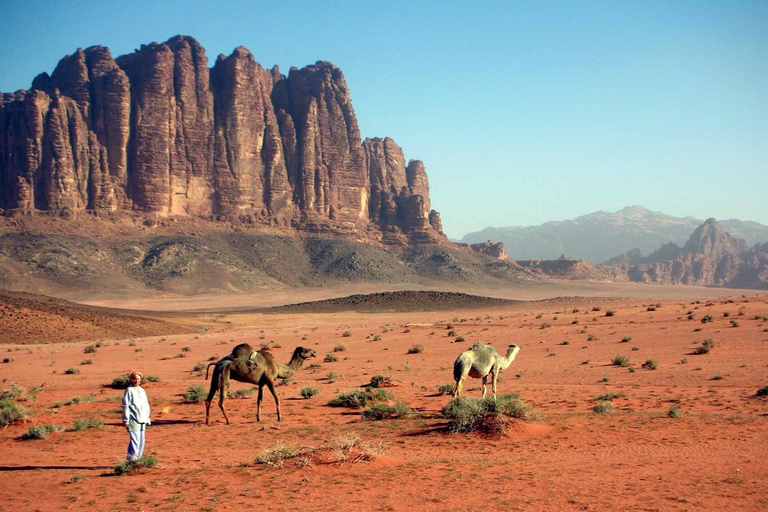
<point>512,350</point>
<point>302,353</point>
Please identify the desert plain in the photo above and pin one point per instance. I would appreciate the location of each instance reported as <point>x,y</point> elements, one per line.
<point>690,434</point>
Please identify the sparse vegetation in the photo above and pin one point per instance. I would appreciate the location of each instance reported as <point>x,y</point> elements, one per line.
<point>86,361</point>
<point>620,360</point>
<point>121,382</point>
<point>674,412</point>
<point>626,339</point>
<point>447,389</point>
<point>763,391</point>
<point>734,323</point>
<point>240,393</point>
<point>603,408</point>
<point>610,312</point>
<point>309,391</point>
<point>651,364</point>
<point>84,424</point>
<point>707,318</point>
<point>416,349</point>
<point>40,431</point>
<point>340,348</point>
<point>609,396</point>
<point>487,415</point>
<point>705,347</point>
<point>195,394</point>
<point>142,463</point>
<point>378,381</point>
<point>346,334</point>
<point>386,412</point>
<point>11,413</point>
<point>71,371</point>
<point>90,349</point>
<point>360,398</point>
<point>330,358</point>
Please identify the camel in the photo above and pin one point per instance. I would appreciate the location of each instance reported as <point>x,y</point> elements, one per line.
<point>480,361</point>
<point>255,366</point>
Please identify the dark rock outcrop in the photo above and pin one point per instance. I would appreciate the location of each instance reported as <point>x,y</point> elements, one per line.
<point>159,132</point>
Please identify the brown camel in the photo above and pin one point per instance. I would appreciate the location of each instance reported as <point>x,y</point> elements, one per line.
<point>479,362</point>
<point>254,366</point>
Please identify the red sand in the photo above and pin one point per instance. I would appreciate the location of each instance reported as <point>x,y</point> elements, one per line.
<point>712,458</point>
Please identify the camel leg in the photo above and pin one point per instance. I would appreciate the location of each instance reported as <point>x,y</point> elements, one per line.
<point>271,386</point>
<point>258,402</point>
<point>485,382</point>
<point>495,377</point>
<point>457,388</point>
<point>222,397</point>
<point>215,384</point>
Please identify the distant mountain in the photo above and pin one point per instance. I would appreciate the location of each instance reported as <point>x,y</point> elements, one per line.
<point>710,257</point>
<point>598,236</point>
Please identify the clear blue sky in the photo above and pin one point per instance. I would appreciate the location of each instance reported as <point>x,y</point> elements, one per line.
<point>523,112</point>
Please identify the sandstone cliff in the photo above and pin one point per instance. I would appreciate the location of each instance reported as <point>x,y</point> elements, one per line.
<point>160,132</point>
<point>711,257</point>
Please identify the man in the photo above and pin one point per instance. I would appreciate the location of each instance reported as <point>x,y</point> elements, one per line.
<point>135,416</point>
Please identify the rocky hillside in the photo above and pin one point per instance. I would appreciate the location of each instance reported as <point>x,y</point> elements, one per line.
<point>711,257</point>
<point>160,132</point>
<point>598,236</point>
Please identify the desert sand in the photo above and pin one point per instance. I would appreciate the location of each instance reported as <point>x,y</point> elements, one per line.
<point>713,457</point>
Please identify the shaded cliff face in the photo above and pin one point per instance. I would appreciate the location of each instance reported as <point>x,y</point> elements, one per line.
<point>711,257</point>
<point>157,131</point>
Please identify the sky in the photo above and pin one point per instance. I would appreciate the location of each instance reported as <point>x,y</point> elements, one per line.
<point>522,112</point>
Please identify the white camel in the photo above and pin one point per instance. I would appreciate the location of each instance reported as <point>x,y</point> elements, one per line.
<point>479,362</point>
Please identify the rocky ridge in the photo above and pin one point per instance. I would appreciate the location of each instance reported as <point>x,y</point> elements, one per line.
<point>710,257</point>
<point>159,132</point>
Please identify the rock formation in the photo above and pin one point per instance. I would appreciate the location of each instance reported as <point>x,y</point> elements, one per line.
<point>159,132</point>
<point>711,257</point>
<point>496,250</point>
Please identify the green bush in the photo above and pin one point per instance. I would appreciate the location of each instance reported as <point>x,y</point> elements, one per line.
<point>195,394</point>
<point>446,389</point>
<point>620,361</point>
<point>90,349</point>
<point>603,407</point>
<point>309,392</point>
<point>121,382</point>
<point>11,413</point>
<point>487,415</point>
<point>378,381</point>
<point>200,366</point>
<point>674,412</point>
<point>609,396</point>
<point>416,349</point>
<point>705,347</point>
<point>626,339</point>
<point>40,432</point>
<point>71,371</point>
<point>386,412</point>
<point>128,467</point>
<point>151,378</point>
<point>707,318</point>
<point>340,348</point>
<point>360,398</point>
<point>330,358</point>
<point>86,424</point>
<point>651,364</point>
<point>240,393</point>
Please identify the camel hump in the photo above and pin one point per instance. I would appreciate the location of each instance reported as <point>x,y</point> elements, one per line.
<point>242,350</point>
<point>477,346</point>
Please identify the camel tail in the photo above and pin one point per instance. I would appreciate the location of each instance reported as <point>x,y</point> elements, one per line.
<point>208,368</point>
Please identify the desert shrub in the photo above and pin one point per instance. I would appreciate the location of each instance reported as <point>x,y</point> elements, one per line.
<point>72,371</point>
<point>240,393</point>
<point>11,413</point>
<point>706,318</point>
<point>674,412</point>
<point>15,392</point>
<point>651,308</point>
<point>416,349</point>
<point>340,348</point>
<point>7,359</point>
<point>360,398</point>
<point>309,392</point>
<point>86,361</point>
<point>726,314</point>
<point>330,358</point>
<point>487,415</point>
<point>620,360</point>
<point>200,366</point>
<point>151,378</point>
<point>281,452</point>
<point>763,391</point>
<point>446,389</point>
<point>386,412</point>
<point>287,381</point>
<point>195,394</point>
<point>626,339</point>
<point>651,364</point>
<point>591,337</point>
<point>346,334</point>
<point>717,377</point>
<point>610,312</point>
<point>596,308</point>
<point>603,408</point>
<point>121,382</point>
<point>458,339</point>
<point>609,396</point>
<point>376,338</point>
<point>378,381</point>
<point>90,349</point>
<point>545,325</point>
<point>40,432</point>
<point>83,424</point>
<point>705,347</point>
<point>565,342</point>
<point>734,323</point>
<point>128,467</point>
